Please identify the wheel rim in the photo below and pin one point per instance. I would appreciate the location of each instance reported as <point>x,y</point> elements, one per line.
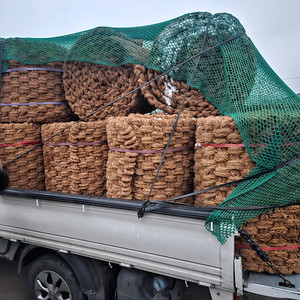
<point>51,286</point>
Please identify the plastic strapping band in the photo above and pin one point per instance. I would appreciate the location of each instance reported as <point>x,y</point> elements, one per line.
<point>34,103</point>
<point>24,143</point>
<point>270,248</point>
<point>150,151</point>
<point>76,144</point>
<point>33,69</point>
<point>219,145</point>
<point>239,145</point>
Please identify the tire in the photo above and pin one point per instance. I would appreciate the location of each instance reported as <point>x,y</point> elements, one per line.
<point>51,278</point>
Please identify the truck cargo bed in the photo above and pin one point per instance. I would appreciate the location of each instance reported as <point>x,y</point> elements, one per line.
<point>171,241</point>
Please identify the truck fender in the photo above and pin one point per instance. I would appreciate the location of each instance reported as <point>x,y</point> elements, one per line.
<point>27,249</point>
<point>95,277</point>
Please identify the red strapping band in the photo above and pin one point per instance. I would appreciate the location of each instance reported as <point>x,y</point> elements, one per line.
<point>270,248</point>
<point>238,145</point>
<point>24,143</point>
<point>149,151</point>
<point>76,144</point>
<point>219,145</point>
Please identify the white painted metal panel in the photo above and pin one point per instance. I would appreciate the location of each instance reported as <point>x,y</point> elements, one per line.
<point>170,245</point>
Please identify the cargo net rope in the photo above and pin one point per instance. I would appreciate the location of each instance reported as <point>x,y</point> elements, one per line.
<point>230,73</point>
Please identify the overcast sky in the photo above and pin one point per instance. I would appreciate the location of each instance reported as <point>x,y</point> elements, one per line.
<point>273,25</point>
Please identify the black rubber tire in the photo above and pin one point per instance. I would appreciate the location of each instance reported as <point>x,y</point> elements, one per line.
<point>54,263</point>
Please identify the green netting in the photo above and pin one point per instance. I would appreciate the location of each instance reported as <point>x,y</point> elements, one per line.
<point>231,74</point>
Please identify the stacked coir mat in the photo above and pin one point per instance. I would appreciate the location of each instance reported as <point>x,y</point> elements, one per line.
<point>167,94</point>
<point>16,139</point>
<point>75,159</point>
<point>30,96</point>
<point>220,157</point>
<point>33,93</point>
<point>56,151</point>
<point>278,233</point>
<point>136,145</point>
<point>90,86</point>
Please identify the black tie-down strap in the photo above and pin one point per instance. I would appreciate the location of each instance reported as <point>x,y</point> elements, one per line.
<point>203,43</point>
<point>153,205</point>
<point>265,258</point>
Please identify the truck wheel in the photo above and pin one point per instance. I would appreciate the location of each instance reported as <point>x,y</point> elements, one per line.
<point>51,278</point>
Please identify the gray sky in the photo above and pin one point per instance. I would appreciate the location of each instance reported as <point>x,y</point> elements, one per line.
<point>273,25</point>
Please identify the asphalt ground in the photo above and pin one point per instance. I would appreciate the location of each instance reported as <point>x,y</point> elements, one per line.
<point>13,286</point>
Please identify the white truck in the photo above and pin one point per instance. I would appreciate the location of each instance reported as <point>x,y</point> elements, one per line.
<point>82,247</point>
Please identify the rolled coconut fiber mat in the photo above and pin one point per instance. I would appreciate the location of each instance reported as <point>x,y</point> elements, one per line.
<point>220,157</point>
<point>89,87</point>
<point>56,157</point>
<point>75,160</point>
<point>167,94</point>
<point>28,171</point>
<point>136,145</point>
<point>33,93</point>
<point>88,158</point>
<point>278,233</point>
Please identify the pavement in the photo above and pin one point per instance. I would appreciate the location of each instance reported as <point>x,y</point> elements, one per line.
<point>12,285</point>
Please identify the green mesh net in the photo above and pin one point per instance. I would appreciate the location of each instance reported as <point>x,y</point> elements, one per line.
<point>231,74</point>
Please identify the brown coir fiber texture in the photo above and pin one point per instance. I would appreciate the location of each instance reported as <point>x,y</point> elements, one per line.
<point>28,171</point>
<point>88,161</point>
<point>79,165</point>
<point>56,157</point>
<point>90,86</point>
<point>33,86</point>
<point>277,228</point>
<point>130,174</point>
<point>215,166</point>
<point>167,94</point>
